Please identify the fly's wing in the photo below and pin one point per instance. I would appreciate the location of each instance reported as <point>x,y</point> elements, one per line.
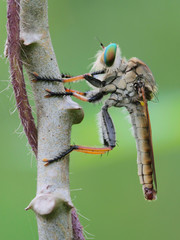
<point>150,136</point>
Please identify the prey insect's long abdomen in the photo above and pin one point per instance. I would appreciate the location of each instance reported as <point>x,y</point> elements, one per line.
<point>145,158</point>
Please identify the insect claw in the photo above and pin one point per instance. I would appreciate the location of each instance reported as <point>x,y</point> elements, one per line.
<point>50,94</point>
<point>35,74</point>
<point>46,161</point>
<point>46,164</point>
<point>34,80</point>
<point>47,90</point>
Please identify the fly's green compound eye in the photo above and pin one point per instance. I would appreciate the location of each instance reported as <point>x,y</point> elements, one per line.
<point>110,54</point>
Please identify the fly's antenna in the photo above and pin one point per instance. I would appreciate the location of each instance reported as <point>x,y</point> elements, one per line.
<point>101,45</point>
<point>100,42</point>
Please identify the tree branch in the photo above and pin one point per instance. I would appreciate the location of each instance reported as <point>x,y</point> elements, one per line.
<point>55,117</point>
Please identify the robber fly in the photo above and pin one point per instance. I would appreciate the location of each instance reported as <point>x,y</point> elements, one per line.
<point>130,85</point>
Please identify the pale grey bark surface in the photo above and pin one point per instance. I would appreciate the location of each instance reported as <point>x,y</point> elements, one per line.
<point>55,117</point>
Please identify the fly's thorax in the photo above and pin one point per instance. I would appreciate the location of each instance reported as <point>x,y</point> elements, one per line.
<point>125,90</point>
<point>142,75</point>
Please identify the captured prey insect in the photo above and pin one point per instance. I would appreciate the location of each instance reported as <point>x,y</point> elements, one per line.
<point>130,85</point>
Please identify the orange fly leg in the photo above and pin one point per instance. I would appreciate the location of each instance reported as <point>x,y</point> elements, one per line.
<point>74,79</point>
<point>68,92</point>
<point>83,149</point>
<point>36,76</point>
<point>93,150</point>
<point>77,94</point>
<point>74,91</point>
<point>63,80</point>
<point>80,97</point>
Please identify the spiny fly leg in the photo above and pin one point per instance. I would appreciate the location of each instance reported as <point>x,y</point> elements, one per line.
<point>68,78</point>
<point>68,92</point>
<point>77,92</point>
<point>96,97</point>
<point>108,130</point>
<point>57,94</point>
<point>45,78</point>
<point>63,75</point>
<point>83,149</point>
<point>64,78</point>
<point>98,72</point>
<point>94,81</point>
<point>60,156</point>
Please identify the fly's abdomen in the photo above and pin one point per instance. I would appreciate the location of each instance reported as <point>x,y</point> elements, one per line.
<point>145,158</point>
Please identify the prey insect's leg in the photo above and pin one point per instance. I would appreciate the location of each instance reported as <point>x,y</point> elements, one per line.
<point>83,149</point>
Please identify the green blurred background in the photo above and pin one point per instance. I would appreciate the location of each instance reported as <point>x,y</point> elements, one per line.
<point>105,190</point>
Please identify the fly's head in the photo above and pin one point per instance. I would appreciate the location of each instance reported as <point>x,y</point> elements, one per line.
<point>108,59</point>
<point>143,78</point>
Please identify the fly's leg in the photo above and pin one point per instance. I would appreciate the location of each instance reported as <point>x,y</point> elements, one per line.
<point>94,81</point>
<point>108,138</point>
<point>107,125</point>
<point>67,78</point>
<point>68,92</point>
<point>66,75</point>
<point>95,96</point>
<point>91,96</point>
<point>37,77</point>
<point>78,148</point>
<point>108,131</point>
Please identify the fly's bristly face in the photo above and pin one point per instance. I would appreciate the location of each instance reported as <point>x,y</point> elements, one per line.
<point>108,59</point>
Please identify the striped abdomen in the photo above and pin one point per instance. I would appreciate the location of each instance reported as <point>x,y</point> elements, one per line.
<point>145,159</point>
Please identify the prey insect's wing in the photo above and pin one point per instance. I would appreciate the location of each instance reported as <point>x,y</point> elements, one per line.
<point>150,136</point>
